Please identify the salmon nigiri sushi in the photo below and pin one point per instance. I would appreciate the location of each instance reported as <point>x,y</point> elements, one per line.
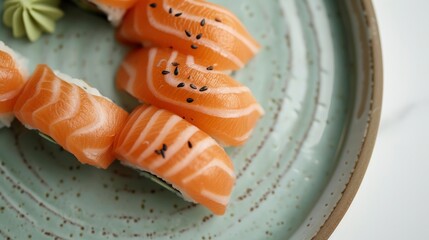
<point>210,33</point>
<point>114,9</point>
<point>161,143</point>
<point>73,114</point>
<point>209,99</point>
<point>13,74</point>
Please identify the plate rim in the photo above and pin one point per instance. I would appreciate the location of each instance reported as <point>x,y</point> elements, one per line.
<point>351,188</point>
<point>369,140</point>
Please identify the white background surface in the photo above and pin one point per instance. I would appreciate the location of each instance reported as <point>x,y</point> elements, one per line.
<point>393,201</point>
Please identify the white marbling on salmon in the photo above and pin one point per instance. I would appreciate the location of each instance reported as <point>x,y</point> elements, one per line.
<point>98,123</point>
<point>181,141</point>
<point>54,98</point>
<point>9,95</point>
<point>203,42</point>
<point>173,81</point>
<point>135,124</point>
<point>143,135</point>
<point>165,131</point>
<point>132,74</point>
<point>251,46</point>
<point>221,199</point>
<point>197,149</point>
<point>73,104</point>
<point>216,163</point>
<point>36,94</point>
<point>223,113</point>
<point>21,63</point>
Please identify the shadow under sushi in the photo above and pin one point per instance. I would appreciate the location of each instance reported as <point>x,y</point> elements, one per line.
<point>52,171</point>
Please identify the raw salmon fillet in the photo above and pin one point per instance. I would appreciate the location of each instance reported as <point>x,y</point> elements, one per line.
<point>161,143</point>
<point>210,33</point>
<point>124,4</point>
<point>82,123</point>
<point>209,99</point>
<point>12,79</point>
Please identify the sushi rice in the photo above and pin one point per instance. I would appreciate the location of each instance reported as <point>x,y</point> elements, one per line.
<point>114,14</point>
<point>80,83</point>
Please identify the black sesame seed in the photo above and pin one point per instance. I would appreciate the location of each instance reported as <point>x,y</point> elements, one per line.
<point>170,11</point>
<point>175,64</point>
<point>210,68</point>
<point>193,86</point>
<point>203,89</point>
<point>199,36</point>
<point>203,22</point>
<point>188,33</point>
<point>178,14</point>
<point>189,144</point>
<point>162,153</point>
<point>165,72</point>
<point>193,46</point>
<point>176,71</point>
<point>152,5</point>
<point>181,85</point>
<point>189,100</point>
<point>218,20</point>
<point>164,147</point>
<point>158,152</point>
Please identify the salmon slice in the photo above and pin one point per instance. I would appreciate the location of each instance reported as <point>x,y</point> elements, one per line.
<point>11,83</point>
<point>81,121</point>
<point>209,99</point>
<point>124,4</point>
<point>161,143</point>
<point>210,33</point>
<point>114,9</point>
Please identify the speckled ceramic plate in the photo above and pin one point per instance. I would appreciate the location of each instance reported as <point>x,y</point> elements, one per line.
<point>319,79</point>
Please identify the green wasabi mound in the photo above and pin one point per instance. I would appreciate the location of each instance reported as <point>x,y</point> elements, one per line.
<point>31,18</point>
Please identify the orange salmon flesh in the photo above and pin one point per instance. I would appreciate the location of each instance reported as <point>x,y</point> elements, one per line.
<point>124,4</point>
<point>159,142</point>
<point>210,33</point>
<point>209,99</point>
<point>11,83</point>
<point>83,124</point>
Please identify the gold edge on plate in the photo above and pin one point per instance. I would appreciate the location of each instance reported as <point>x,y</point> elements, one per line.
<point>369,141</point>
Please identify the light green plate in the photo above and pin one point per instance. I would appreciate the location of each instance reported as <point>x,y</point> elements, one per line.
<point>318,77</point>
